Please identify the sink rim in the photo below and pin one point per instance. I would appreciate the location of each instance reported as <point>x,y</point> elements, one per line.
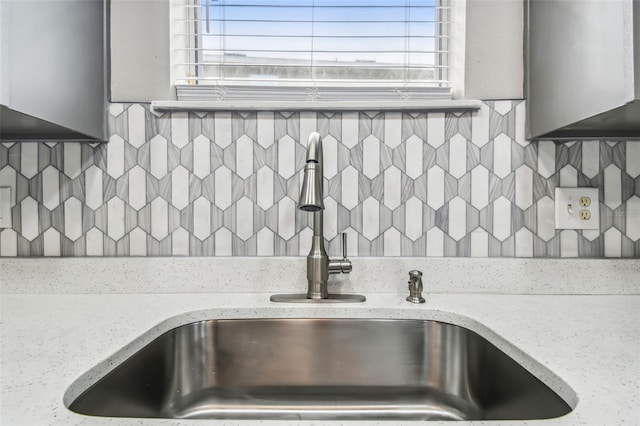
<point>96,372</point>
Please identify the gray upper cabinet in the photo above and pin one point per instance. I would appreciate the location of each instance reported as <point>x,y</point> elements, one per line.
<point>52,70</point>
<point>583,68</point>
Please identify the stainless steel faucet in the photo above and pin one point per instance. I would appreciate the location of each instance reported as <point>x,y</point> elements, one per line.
<point>319,266</point>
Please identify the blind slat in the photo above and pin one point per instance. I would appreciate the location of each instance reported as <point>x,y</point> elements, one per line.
<point>390,42</point>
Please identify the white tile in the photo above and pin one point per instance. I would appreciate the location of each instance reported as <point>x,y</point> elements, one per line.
<point>349,187</point>
<point>308,125</point>
<point>286,156</point>
<point>546,158</point>
<point>371,218</point>
<point>51,187</point>
<point>371,156</point>
<point>266,132</point>
<point>180,242</point>
<point>435,243</point>
<point>94,242</point>
<point>414,165</point>
<point>501,218</point>
<point>568,177</point>
<point>612,187</point>
<point>73,218</point>
<point>413,218</point>
<point>479,243</point>
<point>392,242</point>
<point>458,156</point>
<point>158,157</point>
<point>435,187</point>
<point>480,126</point>
<point>265,242</point>
<point>265,188</point>
<point>137,242</point>
<point>29,159</point>
<point>435,129</point>
<point>201,157</point>
<point>306,237</point>
<point>159,218</point>
<point>330,154</point>
<point>72,159</point>
<point>502,156</point>
<point>633,158</point>
<point>330,218</point>
<point>479,187</point>
<point>8,178</point>
<point>545,210</point>
<point>457,218</point>
<point>612,243</point>
<point>222,129</point>
<point>244,218</point>
<point>137,126</point>
<point>115,218</point>
<point>223,242</point>
<point>93,187</point>
<point>633,218</point>
<point>115,156</point>
<point>350,129</point>
<point>591,234</point>
<point>286,218</point>
<point>590,158</point>
<point>115,109</point>
<point>521,116</point>
<point>29,218</point>
<point>502,107</point>
<point>180,129</point>
<point>137,188</point>
<point>6,218</point>
<point>568,243</point>
<point>222,191</point>
<point>202,218</point>
<point>524,187</point>
<point>244,156</point>
<point>392,188</point>
<point>524,243</point>
<point>180,187</point>
<point>8,243</point>
<point>392,130</point>
<point>51,242</point>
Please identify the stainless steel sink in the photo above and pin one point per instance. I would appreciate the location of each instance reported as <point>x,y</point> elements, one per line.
<point>336,369</point>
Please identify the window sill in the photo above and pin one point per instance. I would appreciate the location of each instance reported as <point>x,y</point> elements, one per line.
<point>403,105</point>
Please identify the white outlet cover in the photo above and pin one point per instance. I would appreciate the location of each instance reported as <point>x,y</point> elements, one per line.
<point>567,208</point>
<point>5,207</point>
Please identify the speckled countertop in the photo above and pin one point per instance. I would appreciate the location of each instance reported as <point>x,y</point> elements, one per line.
<point>585,347</point>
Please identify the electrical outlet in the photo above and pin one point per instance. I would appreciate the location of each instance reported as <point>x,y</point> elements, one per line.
<point>577,208</point>
<point>5,207</point>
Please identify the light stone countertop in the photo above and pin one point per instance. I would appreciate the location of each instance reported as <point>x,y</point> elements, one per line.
<point>575,324</point>
<point>585,347</point>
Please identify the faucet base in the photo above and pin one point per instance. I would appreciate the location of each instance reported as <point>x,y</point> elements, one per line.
<point>333,298</point>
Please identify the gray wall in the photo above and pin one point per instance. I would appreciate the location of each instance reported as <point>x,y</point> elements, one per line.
<point>140,56</point>
<point>494,49</point>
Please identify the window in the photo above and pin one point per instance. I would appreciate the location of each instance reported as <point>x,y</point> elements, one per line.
<point>353,51</point>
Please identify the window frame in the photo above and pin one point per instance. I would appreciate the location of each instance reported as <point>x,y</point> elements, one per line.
<point>300,96</point>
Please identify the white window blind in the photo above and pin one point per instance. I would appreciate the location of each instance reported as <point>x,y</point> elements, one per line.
<point>312,50</point>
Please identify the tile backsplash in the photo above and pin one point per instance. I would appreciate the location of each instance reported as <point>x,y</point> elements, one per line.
<point>400,184</point>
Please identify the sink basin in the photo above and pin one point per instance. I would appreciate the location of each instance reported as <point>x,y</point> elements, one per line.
<point>321,369</point>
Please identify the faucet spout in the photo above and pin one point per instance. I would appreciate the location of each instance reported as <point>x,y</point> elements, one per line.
<point>319,266</point>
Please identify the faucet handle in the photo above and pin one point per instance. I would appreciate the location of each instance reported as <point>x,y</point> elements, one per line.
<point>344,245</point>
<point>342,266</point>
